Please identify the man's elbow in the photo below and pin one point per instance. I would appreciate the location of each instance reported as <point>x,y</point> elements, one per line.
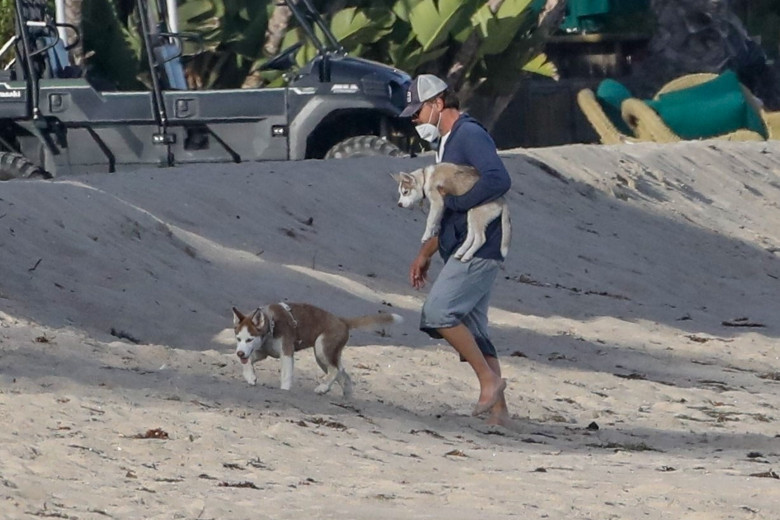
<point>504,185</point>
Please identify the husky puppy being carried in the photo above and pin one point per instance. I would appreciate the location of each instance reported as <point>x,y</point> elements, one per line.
<point>435,181</point>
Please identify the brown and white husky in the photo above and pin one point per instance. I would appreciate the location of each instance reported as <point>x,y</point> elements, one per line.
<point>280,329</point>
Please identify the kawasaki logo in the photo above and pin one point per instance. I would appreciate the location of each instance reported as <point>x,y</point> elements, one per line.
<point>11,94</point>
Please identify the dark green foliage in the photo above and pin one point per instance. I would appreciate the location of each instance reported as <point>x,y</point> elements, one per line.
<point>114,58</point>
<point>6,27</point>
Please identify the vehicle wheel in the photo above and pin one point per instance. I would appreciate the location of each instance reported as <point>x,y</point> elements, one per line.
<point>364,146</point>
<point>15,166</point>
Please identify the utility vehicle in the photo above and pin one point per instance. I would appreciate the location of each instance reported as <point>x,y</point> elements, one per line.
<point>55,120</point>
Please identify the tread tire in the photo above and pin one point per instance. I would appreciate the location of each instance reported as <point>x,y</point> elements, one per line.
<point>15,166</point>
<point>364,146</point>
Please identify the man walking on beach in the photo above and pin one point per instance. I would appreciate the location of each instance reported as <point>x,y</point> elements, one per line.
<point>457,304</point>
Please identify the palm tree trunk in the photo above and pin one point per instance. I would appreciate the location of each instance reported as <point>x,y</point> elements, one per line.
<point>274,34</point>
<point>549,20</point>
<point>277,28</point>
<point>468,53</point>
<point>73,17</point>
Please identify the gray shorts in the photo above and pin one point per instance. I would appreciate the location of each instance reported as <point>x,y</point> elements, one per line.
<point>461,294</point>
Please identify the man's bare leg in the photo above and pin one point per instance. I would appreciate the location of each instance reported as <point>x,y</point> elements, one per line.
<point>490,383</point>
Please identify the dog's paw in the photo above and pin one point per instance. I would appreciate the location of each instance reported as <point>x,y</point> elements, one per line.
<point>429,234</point>
<point>464,254</point>
<point>250,377</point>
<point>322,389</point>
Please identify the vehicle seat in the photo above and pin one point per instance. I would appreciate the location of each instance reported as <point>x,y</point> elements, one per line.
<point>168,55</point>
<point>58,61</point>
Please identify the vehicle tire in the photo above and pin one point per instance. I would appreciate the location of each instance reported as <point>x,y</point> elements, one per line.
<point>15,166</point>
<point>364,146</point>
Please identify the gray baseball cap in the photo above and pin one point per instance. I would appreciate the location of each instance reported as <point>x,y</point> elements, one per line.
<point>423,88</point>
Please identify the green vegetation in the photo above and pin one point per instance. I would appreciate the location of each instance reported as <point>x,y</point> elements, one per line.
<point>413,35</point>
<point>6,26</point>
<point>117,50</point>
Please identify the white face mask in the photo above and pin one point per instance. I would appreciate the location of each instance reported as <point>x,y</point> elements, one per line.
<point>429,131</point>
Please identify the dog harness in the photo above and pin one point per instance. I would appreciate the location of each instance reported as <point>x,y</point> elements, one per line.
<point>289,312</point>
<point>288,309</point>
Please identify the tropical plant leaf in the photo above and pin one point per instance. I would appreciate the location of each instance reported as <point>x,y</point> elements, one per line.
<point>114,57</point>
<point>410,56</point>
<point>200,16</point>
<point>502,72</point>
<point>252,33</point>
<point>401,9</point>
<point>198,12</point>
<point>431,23</point>
<point>307,52</point>
<point>353,26</point>
<point>130,36</point>
<point>399,49</point>
<point>464,27</point>
<point>499,30</point>
<point>541,65</point>
<point>231,37</point>
<point>507,9</point>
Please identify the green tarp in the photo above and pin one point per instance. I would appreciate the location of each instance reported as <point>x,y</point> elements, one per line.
<point>592,15</point>
<point>716,107</point>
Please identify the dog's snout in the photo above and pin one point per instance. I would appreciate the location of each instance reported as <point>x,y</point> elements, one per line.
<point>240,354</point>
<point>400,205</point>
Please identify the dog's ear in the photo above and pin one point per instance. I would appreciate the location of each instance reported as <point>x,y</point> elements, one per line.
<point>406,178</point>
<point>258,318</point>
<point>237,317</point>
<point>396,176</point>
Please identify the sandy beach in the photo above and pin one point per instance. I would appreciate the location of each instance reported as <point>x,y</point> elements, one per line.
<point>636,319</point>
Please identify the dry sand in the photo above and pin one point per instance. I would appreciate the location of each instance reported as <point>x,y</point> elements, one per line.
<point>636,317</point>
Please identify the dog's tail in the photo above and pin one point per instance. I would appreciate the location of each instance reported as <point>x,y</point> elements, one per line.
<point>225,337</point>
<point>506,231</point>
<point>362,322</point>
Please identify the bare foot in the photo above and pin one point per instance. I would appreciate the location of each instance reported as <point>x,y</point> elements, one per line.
<point>485,406</point>
<point>499,415</point>
<point>500,420</point>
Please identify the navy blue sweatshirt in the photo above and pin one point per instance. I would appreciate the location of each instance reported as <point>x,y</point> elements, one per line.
<point>469,143</point>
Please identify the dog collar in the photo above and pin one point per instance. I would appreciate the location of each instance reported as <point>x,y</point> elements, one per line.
<point>267,316</point>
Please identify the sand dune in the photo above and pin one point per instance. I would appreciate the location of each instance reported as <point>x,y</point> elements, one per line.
<point>636,318</point>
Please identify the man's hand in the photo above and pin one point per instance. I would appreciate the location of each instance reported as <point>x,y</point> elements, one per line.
<point>418,271</point>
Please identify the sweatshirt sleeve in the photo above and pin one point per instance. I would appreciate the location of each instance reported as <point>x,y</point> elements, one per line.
<point>477,149</point>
